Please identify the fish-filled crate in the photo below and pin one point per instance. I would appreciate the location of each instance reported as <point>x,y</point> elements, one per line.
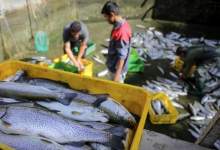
<point>62,107</point>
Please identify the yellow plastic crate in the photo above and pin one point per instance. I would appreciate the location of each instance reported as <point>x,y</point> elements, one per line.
<point>5,147</point>
<point>88,71</point>
<point>135,99</point>
<point>164,118</point>
<point>178,65</point>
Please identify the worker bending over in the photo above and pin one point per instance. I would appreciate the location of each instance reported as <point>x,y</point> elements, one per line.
<point>196,56</point>
<point>75,38</point>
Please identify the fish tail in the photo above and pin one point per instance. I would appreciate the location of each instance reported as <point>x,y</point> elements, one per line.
<point>119,131</point>
<point>116,143</point>
<point>68,98</point>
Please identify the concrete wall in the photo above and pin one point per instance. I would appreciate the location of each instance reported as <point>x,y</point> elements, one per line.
<point>205,12</point>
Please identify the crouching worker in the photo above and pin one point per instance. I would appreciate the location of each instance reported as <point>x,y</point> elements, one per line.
<point>120,41</point>
<point>196,56</point>
<point>75,38</point>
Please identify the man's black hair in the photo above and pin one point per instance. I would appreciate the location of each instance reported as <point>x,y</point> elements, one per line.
<point>181,51</point>
<point>110,7</point>
<point>75,26</point>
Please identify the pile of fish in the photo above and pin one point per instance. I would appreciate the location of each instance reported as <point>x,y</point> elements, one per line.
<point>217,144</point>
<point>171,88</point>
<point>208,76</point>
<point>153,44</point>
<point>202,114</point>
<point>37,60</point>
<point>158,107</point>
<point>44,114</point>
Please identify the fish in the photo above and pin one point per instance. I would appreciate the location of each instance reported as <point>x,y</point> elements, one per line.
<point>117,130</point>
<point>117,112</point>
<point>23,142</point>
<point>27,91</point>
<point>7,100</point>
<point>97,125</point>
<point>158,107</point>
<point>195,128</point>
<point>98,146</point>
<point>207,99</point>
<point>17,76</point>
<point>177,105</point>
<point>160,69</point>
<point>104,51</point>
<point>194,134</point>
<point>194,110</point>
<point>102,73</point>
<point>183,116</point>
<point>216,93</point>
<point>97,59</point>
<point>76,111</point>
<point>173,75</point>
<point>140,26</point>
<point>217,144</point>
<point>218,104</point>
<point>37,122</point>
<point>197,118</point>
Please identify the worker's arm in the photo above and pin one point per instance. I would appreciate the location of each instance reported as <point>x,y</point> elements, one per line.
<point>188,63</point>
<point>119,68</point>
<point>83,46</point>
<point>122,48</point>
<point>69,53</point>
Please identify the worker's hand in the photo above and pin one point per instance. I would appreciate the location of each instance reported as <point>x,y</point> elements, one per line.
<point>81,66</point>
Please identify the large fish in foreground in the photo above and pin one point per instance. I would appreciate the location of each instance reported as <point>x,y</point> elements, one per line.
<point>22,142</point>
<point>37,122</point>
<point>115,110</point>
<point>76,111</point>
<point>27,91</point>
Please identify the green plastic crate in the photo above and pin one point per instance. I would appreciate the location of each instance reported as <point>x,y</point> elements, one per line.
<point>65,67</point>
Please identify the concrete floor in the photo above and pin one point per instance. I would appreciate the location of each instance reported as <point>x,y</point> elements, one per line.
<point>155,141</point>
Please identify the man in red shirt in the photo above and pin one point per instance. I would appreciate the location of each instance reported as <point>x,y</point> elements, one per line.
<point>120,41</point>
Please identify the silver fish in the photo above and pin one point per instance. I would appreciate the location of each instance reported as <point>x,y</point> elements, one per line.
<point>17,76</point>
<point>115,110</point>
<point>98,59</point>
<point>173,75</point>
<point>26,91</point>
<point>116,130</point>
<point>97,146</point>
<point>208,99</point>
<point>37,122</point>
<point>193,109</point>
<point>104,51</point>
<point>97,125</point>
<point>102,73</point>
<point>160,69</point>
<point>183,116</point>
<point>22,142</point>
<point>216,93</point>
<point>195,128</point>
<point>157,106</point>
<point>76,111</point>
<point>194,134</point>
<point>197,118</point>
<point>177,105</point>
<point>217,144</point>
